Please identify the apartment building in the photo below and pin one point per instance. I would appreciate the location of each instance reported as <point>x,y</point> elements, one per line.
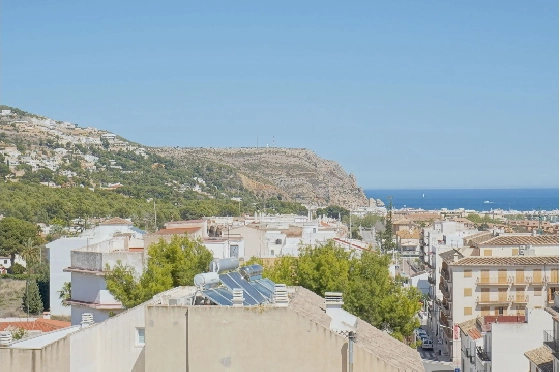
<point>482,286</point>
<point>498,342</point>
<point>545,357</point>
<point>87,269</point>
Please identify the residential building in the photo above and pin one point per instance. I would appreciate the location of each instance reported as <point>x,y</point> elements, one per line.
<point>195,229</point>
<point>292,329</point>
<point>482,286</point>
<point>545,357</point>
<point>87,268</point>
<point>32,326</point>
<point>59,255</point>
<point>408,242</point>
<point>498,342</point>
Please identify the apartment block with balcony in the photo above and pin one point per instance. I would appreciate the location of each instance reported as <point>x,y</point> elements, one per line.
<point>497,286</point>
<point>498,342</point>
<point>545,357</point>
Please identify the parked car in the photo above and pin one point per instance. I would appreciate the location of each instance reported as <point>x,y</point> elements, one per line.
<point>427,344</point>
<point>420,333</point>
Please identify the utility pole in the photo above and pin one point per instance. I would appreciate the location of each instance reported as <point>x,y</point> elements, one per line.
<point>155,216</point>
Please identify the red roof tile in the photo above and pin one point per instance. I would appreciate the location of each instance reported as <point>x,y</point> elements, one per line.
<point>43,325</point>
<point>178,231</point>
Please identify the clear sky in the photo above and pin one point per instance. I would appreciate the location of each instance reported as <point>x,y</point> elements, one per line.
<point>404,94</point>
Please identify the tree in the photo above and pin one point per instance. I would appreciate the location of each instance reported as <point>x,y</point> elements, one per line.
<point>65,293</point>
<point>15,235</point>
<point>369,290</point>
<point>169,265</point>
<point>333,211</point>
<point>32,303</point>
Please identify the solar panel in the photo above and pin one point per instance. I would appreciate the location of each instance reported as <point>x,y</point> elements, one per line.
<point>234,280</point>
<point>218,297</point>
<point>267,283</point>
<point>247,287</point>
<point>262,290</point>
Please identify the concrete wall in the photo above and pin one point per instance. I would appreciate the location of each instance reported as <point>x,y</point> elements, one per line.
<point>54,357</point>
<point>109,346</point>
<point>511,340</point>
<point>245,339</point>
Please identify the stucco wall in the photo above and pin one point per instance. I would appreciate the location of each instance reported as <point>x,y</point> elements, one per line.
<point>54,357</point>
<point>243,339</point>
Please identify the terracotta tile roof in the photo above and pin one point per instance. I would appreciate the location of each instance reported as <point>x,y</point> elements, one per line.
<point>402,221</point>
<point>469,327</point>
<point>515,260</point>
<point>43,325</point>
<point>448,256</point>
<point>477,238</point>
<point>178,231</point>
<point>542,357</point>
<point>552,311</point>
<point>372,340</point>
<point>406,234</point>
<point>116,221</point>
<point>517,239</point>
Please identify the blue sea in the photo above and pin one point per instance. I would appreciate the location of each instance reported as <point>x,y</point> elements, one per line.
<point>477,199</point>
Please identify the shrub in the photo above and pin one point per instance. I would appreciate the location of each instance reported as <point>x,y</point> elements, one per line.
<point>16,269</point>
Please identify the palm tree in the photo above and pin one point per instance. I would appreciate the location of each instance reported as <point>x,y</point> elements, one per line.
<point>30,255</point>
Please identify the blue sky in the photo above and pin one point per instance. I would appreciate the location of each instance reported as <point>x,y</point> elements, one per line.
<point>404,94</point>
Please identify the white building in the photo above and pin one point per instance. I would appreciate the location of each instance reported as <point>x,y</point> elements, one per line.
<point>59,255</point>
<point>498,342</point>
<point>545,357</point>
<point>89,293</point>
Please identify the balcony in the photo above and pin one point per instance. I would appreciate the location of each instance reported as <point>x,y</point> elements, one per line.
<point>519,299</point>
<point>492,281</point>
<point>517,282</point>
<point>535,280</point>
<point>550,281</point>
<point>431,280</point>
<point>443,319</point>
<point>491,300</point>
<point>445,275</point>
<point>482,355</point>
<point>550,341</point>
<point>444,290</point>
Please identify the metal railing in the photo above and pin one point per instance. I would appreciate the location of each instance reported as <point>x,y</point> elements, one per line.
<point>533,280</point>
<point>514,280</point>
<point>482,354</point>
<point>550,341</point>
<point>492,300</point>
<point>518,298</point>
<point>493,280</point>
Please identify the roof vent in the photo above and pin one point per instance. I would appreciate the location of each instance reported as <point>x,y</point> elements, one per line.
<point>341,320</point>
<point>238,297</point>
<point>280,297</point>
<point>5,338</point>
<point>333,300</point>
<point>87,320</point>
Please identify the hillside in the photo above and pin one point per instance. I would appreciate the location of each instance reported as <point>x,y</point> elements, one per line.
<point>295,174</point>
<point>186,183</point>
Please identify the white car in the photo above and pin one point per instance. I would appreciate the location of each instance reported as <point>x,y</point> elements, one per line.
<point>427,344</point>
<point>420,333</point>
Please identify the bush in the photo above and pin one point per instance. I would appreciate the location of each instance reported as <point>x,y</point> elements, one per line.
<point>14,276</point>
<point>16,269</point>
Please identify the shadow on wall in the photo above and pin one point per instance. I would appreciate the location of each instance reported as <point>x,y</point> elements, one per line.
<point>344,354</point>
<point>140,365</point>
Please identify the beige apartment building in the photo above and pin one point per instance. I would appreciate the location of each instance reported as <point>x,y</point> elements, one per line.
<point>482,286</point>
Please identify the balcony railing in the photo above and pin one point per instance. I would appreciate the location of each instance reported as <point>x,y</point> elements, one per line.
<point>482,354</point>
<point>444,289</point>
<point>492,281</point>
<point>550,341</point>
<point>492,300</point>
<point>535,280</point>
<point>518,298</point>
<point>431,280</point>
<point>515,281</point>
<point>550,281</point>
<point>445,274</point>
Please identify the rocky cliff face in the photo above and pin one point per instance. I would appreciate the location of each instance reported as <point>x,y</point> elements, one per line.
<point>295,174</point>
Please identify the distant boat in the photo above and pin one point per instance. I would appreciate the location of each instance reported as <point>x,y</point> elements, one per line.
<point>422,195</point>
<point>487,202</point>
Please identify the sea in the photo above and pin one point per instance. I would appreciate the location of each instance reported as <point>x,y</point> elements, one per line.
<point>477,199</point>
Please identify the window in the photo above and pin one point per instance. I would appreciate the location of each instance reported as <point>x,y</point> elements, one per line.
<point>467,310</point>
<point>272,252</point>
<point>140,337</point>
<point>5,261</point>
<point>488,252</point>
<point>499,310</point>
<point>467,273</point>
<point>467,292</point>
<point>515,252</point>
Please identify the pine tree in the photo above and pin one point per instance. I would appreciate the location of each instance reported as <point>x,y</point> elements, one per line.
<point>33,302</point>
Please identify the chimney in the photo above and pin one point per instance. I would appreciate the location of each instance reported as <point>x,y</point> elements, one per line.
<point>238,297</point>
<point>5,338</point>
<point>46,315</point>
<point>280,297</point>
<point>87,320</point>
<point>455,256</point>
<point>333,302</point>
<point>534,232</point>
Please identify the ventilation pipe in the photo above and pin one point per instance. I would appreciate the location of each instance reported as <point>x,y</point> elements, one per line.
<point>5,338</point>
<point>238,297</point>
<point>280,297</point>
<point>351,339</point>
<point>87,320</point>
